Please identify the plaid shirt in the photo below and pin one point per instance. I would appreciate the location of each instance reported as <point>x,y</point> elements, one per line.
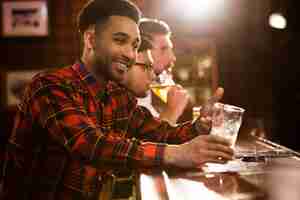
<point>71,131</point>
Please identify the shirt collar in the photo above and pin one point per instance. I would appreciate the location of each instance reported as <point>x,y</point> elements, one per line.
<point>98,90</point>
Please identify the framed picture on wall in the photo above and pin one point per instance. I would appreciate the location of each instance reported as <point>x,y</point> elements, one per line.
<point>14,84</point>
<point>25,18</point>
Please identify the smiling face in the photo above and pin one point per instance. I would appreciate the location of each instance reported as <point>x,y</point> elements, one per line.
<point>140,75</point>
<point>115,47</point>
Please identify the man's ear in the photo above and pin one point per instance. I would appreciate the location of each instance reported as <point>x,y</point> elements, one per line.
<point>89,39</point>
<point>140,56</point>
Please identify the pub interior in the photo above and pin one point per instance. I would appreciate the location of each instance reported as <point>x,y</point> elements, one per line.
<point>231,44</point>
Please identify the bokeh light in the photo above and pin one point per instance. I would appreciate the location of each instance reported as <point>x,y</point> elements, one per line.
<point>277,21</point>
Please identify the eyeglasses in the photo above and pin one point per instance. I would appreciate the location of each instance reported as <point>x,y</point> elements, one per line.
<point>147,66</point>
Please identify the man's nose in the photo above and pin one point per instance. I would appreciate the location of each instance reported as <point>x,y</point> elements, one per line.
<point>173,57</point>
<point>130,52</point>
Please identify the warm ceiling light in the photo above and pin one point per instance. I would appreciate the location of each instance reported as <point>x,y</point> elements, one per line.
<point>202,8</point>
<point>277,21</point>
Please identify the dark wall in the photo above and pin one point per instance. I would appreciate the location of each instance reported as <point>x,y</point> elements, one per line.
<point>285,45</point>
<point>58,48</point>
<point>245,54</point>
<point>260,67</point>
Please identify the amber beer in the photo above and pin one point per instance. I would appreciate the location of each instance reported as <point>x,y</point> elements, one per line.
<point>196,112</point>
<point>161,90</point>
<point>161,87</point>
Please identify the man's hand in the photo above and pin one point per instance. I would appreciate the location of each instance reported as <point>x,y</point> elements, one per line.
<point>200,150</point>
<point>203,123</point>
<point>177,100</point>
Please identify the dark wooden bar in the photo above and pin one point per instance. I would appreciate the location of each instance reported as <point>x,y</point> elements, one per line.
<point>248,181</point>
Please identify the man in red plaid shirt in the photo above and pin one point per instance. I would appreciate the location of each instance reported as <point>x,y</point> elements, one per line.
<point>78,124</point>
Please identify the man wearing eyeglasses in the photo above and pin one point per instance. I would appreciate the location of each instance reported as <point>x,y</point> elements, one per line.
<point>141,74</point>
<point>159,34</point>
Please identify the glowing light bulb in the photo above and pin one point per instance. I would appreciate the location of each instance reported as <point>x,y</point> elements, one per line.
<point>278,21</point>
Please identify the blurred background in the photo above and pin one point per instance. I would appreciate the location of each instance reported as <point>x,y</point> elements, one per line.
<point>248,47</point>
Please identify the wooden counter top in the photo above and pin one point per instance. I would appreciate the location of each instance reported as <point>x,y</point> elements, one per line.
<point>237,180</point>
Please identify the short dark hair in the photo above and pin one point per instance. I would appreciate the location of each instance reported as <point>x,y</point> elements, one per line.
<point>149,27</point>
<point>96,11</point>
<point>145,45</point>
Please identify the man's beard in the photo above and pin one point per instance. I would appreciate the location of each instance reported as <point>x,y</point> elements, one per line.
<point>111,68</point>
<point>101,68</point>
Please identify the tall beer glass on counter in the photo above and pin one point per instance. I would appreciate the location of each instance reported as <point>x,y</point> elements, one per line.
<point>226,121</point>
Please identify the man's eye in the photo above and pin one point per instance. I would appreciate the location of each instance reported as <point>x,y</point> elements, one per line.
<point>119,40</point>
<point>135,46</point>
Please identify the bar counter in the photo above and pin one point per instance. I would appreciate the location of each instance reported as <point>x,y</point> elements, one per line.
<point>245,178</point>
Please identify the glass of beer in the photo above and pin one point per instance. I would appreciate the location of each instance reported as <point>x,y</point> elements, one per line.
<point>196,112</point>
<point>161,86</point>
<point>226,121</point>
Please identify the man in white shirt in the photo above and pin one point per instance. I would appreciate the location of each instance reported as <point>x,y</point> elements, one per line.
<point>159,34</point>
